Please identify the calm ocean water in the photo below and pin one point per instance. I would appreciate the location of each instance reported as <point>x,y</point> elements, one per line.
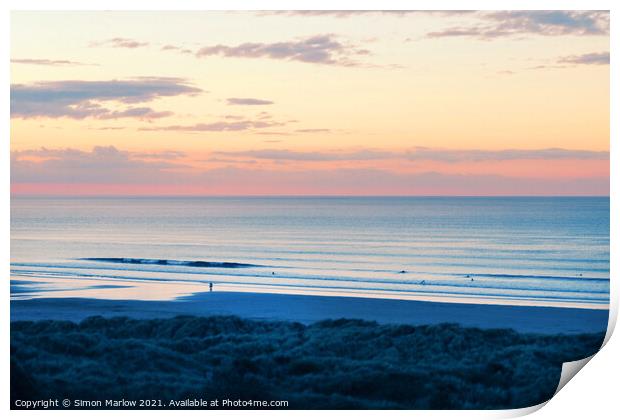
<point>534,251</point>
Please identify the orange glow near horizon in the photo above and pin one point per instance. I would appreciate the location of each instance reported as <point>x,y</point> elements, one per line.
<point>234,103</point>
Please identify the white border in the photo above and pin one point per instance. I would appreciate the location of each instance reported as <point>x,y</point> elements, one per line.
<point>592,394</point>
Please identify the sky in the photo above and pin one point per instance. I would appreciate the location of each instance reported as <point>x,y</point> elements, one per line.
<point>310,103</point>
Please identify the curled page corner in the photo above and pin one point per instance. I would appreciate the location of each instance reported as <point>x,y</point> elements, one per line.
<point>569,370</point>
<point>521,412</point>
<point>611,324</point>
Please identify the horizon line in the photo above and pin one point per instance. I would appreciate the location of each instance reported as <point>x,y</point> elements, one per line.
<point>307,196</point>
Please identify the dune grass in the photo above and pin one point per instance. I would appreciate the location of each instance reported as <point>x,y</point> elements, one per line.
<point>329,364</point>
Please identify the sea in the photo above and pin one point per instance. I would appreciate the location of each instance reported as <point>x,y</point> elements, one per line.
<point>538,251</point>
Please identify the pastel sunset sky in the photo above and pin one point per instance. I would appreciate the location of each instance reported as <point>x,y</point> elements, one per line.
<point>318,103</point>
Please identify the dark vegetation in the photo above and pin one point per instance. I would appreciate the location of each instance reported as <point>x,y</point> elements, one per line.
<point>329,364</point>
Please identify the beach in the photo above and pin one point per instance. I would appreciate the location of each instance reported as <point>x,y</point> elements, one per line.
<point>307,309</point>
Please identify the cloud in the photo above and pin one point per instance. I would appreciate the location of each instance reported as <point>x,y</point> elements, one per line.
<point>248,101</point>
<point>422,154</point>
<point>518,23</point>
<point>164,155</point>
<point>105,152</point>
<point>169,47</point>
<point>490,24</point>
<point>103,164</point>
<point>453,32</point>
<point>272,133</point>
<point>571,61</point>
<point>228,123</point>
<point>143,113</point>
<point>114,169</point>
<point>235,161</point>
<point>473,155</point>
<point>283,154</point>
<point>235,125</point>
<point>107,128</point>
<point>547,67</point>
<point>349,13</point>
<point>601,58</point>
<point>319,49</point>
<point>46,62</point>
<point>120,43</point>
<point>83,99</point>
<point>313,130</point>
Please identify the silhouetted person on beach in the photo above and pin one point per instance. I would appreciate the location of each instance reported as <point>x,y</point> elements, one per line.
<point>210,287</point>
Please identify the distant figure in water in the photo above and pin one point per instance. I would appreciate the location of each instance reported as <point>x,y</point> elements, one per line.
<point>210,287</point>
<point>273,273</point>
<point>402,271</point>
<point>422,282</point>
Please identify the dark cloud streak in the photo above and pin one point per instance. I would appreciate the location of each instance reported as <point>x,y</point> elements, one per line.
<point>423,154</point>
<point>248,101</point>
<point>181,50</point>
<point>120,43</point>
<point>519,23</point>
<point>319,49</point>
<point>47,62</point>
<point>234,125</point>
<point>601,58</point>
<point>313,130</point>
<point>82,99</point>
